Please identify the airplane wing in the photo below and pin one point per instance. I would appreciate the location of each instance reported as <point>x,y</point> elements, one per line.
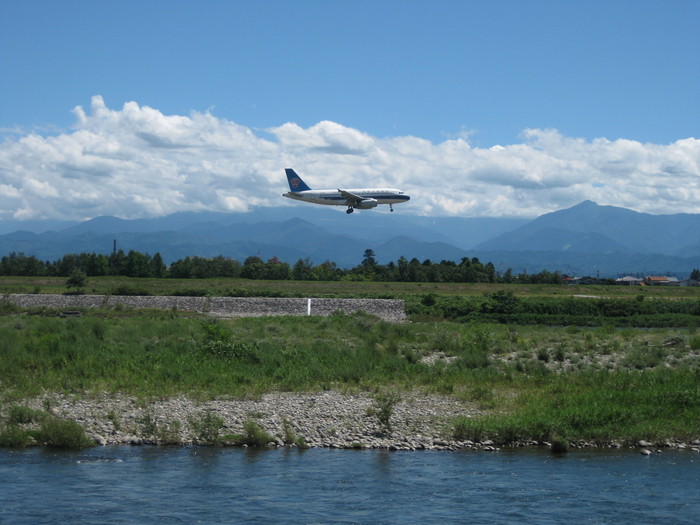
<point>351,198</point>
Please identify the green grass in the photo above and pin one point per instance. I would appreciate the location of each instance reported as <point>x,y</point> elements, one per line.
<point>160,353</point>
<point>226,286</point>
<point>254,436</point>
<point>597,407</point>
<point>52,431</point>
<point>533,381</point>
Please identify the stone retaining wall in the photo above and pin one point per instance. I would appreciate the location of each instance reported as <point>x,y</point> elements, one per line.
<point>387,309</point>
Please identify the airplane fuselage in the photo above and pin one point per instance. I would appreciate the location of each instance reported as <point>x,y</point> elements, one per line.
<point>361,199</point>
<point>336,198</point>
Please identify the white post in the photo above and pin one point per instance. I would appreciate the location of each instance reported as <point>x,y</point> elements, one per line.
<point>308,307</point>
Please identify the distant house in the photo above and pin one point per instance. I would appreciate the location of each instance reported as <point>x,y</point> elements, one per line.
<point>581,280</point>
<point>661,281</point>
<point>629,281</point>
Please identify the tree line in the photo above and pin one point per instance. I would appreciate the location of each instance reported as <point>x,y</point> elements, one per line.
<point>137,264</point>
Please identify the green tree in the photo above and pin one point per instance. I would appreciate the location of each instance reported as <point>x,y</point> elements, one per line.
<point>369,258</point>
<point>327,271</point>
<point>137,264</point>
<point>77,280</point>
<point>117,263</point>
<point>20,264</point>
<point>182,268</point>
<point>253,268</point>
<point>157,266</point>
<point>303,270</point>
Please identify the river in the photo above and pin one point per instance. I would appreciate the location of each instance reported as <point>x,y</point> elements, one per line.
<point>123,484</point>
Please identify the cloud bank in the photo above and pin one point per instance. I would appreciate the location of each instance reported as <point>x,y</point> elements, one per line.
<point>137,162</point>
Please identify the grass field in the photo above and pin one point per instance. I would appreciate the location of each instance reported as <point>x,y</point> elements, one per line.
<point>534,382</point>
<point>225,286</point>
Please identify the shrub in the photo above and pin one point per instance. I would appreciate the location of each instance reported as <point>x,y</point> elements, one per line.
<point>149,424</point>
<point>14,437</point>
<point>468,429</point>
<point>559,446</point>
<point>169,433</point>
<point>191,292</point>
<point>446,341</point>
<point>383,408</point>
<point>242,292</point>
<point>114,418</point>
<point>77,280</point>
<point>290,437</point>
<point>289,434</point>
<point>21,415</point>
<point>206,428</point>
<point>64,433</point>
<point>428,299</point>
<point>644,357</point>
<point>230,350</point>
<point>129,290</point>
<point>255,435</point>
<point>694,342</point>
<point>501,302</point>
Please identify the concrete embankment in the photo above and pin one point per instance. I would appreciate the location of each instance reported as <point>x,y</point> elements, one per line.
<point>387,309</point>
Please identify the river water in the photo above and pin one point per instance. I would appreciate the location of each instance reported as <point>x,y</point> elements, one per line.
<point>124,484</point>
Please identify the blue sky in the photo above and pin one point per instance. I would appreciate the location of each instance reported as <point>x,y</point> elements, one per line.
<point>525,107</point>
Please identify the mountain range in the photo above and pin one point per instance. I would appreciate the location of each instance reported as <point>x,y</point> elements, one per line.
<point>586,239</point>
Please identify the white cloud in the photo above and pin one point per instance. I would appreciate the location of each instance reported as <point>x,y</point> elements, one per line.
<point>138,162</point>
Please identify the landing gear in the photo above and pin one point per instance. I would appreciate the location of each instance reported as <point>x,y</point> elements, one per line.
<point>391,207</point>
<point>350,209</point>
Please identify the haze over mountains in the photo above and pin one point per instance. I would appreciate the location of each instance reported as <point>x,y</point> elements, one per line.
<point>586,239</point>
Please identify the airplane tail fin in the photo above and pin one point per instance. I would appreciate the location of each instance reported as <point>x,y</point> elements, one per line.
<point>295,182</point>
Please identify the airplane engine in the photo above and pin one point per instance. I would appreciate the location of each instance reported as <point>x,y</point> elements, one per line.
<point>367,204</point>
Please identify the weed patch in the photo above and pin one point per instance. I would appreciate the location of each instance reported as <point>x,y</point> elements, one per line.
<point>64,433</point>
<point>383,404</point>
<point>206,428</point>
<point>253,435</point>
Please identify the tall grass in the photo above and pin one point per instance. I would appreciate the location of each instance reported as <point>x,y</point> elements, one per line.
<point>506,370</point>
<point>598,407</point>
<point>159,354</point>
<point>53,431</point>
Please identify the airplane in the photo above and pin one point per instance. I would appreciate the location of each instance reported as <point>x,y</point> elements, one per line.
<point>360,199</point>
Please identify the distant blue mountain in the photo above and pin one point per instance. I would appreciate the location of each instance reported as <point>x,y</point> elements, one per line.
<point>585,239</point>
<point>588,227</point>
<point>33,226</point>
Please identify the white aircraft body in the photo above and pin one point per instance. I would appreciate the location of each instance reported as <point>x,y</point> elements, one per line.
<point>361,199</point>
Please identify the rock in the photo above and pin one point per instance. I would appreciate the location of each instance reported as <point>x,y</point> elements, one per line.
<point>645,452</point>
<point>643,443</point>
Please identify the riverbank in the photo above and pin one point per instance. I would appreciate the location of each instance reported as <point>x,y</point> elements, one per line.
<point>400,385</point>
<point>328,419</point>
